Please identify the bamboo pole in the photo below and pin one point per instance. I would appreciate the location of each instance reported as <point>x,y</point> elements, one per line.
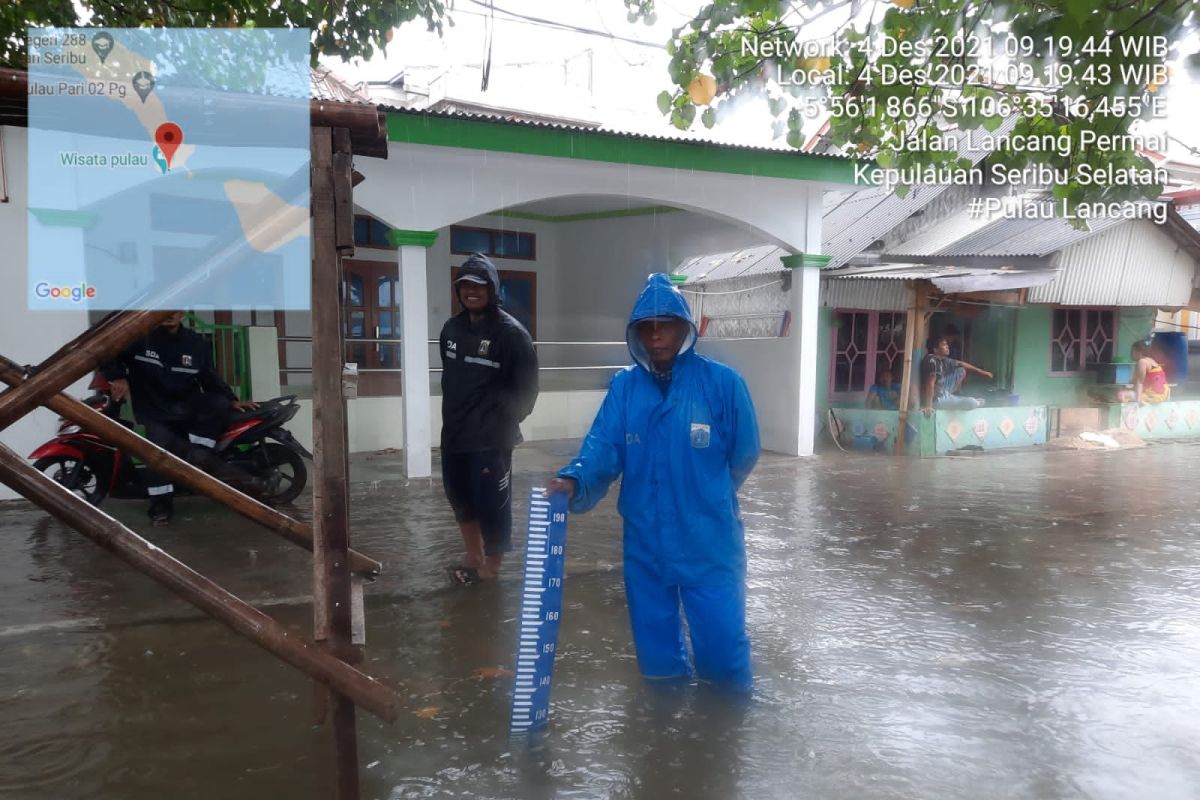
<point>80,357</point>
<point>332,591</point>
<point>193,587</point>
<point>179,470</point>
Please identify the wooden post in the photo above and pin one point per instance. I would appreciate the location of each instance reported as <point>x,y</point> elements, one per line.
<point>913,330</point>
<point>195,588</point>
<point>332,594</point>
<point>179,470</point>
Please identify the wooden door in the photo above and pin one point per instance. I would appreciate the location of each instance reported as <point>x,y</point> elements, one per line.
<point>372,320</point>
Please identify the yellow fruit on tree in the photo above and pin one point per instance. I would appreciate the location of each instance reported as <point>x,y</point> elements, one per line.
<point>905,4</point>
<point>1158,82</point>
<point>702,89</point>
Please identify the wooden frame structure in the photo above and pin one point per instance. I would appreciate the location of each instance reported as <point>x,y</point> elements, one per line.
<point>339,131</point>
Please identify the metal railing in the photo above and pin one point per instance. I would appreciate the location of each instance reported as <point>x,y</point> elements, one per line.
<point>349,342</point>
<point>230,350</point>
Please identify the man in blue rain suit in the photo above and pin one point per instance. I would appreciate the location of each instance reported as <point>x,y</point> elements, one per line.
<point>681,429</point>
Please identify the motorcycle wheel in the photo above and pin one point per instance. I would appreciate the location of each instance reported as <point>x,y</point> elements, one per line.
<point>85,483</point>
<point>290,466</point>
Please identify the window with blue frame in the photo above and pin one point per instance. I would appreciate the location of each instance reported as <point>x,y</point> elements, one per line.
<point>370,232</point>
<point>494,243</point>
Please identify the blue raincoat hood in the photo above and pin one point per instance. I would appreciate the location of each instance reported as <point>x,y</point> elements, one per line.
<point>659,298</point>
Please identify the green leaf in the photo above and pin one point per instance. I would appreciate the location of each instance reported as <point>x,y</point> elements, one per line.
<point>709,118</point>
<point>664,101</point>
<point>1079,10</point>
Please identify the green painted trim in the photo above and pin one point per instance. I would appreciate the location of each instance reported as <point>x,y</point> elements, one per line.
<point>399,237</point>
<point>803,260</point>
<point>678,279</point>
<point>586,215</point>
<point>60,218</point>
<point>240,350</point>
<point>616,148</point>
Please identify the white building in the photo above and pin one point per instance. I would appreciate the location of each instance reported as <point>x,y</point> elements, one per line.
<point>574,216</point>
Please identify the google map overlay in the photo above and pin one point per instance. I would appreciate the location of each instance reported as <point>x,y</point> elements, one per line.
<point>168,169</point>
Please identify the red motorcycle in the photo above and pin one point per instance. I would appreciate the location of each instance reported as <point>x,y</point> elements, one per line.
<point>255,441</point>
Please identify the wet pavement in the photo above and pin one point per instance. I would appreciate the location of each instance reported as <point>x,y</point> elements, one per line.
<point>1003,626</point>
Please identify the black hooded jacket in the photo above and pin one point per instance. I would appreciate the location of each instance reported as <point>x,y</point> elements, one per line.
<point>165,371</point>
<point>489,373</point>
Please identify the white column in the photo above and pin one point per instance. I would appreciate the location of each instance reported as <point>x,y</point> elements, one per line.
<point>806,309</point>
<point>806,305</point>
<point>414,316</point>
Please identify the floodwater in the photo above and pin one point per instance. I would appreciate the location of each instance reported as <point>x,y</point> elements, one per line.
<point>1003,626</point>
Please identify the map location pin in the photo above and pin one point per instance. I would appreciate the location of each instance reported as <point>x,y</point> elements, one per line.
<point>102,43</point>
<point>168,137</point>
<point>143,84</point>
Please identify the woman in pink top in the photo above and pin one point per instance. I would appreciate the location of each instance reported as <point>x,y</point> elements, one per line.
<point>1149,378</point>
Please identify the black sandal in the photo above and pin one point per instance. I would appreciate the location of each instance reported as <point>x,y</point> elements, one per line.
<point>463,576</point>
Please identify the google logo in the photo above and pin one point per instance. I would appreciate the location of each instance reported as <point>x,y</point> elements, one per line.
<point>75,294</point>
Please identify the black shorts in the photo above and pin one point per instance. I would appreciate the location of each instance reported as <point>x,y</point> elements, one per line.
<point>479,488</point>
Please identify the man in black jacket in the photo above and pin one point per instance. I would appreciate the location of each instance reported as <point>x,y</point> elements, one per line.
<point>489,385</point>
<point>181,401</point>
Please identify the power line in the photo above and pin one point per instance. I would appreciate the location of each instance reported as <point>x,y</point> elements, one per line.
<point>549,23</point>
<point>1194,151</point>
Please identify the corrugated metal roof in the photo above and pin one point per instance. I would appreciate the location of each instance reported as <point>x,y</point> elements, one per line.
<point>451,105</point>
<point>912,272</point>
<point>853,293</point>
<point>858,219</point>
<point>1134,264</point>
<point>682,137</point>
<point>950,279</point>
<point>329,87</point>
<point>853,221</point>
<point>964,235</point>
<point>939,236</point>
<point>759,260</point>
<point>1191,214</point>
<point>891,272</point>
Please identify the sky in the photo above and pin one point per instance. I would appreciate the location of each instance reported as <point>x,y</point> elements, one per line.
<point>541,68</point>
<point>538,67</point>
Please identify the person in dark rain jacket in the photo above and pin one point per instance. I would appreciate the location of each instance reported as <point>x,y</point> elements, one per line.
<point>681,430</point>
<point>489,385</point>
<point>182,402</point>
